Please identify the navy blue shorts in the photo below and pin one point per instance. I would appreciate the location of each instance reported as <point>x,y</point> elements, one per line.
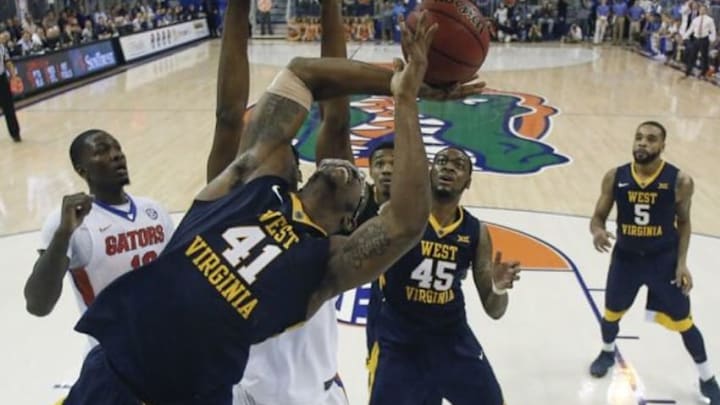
<point>630,270</point>
<point>454,367</point>
<point>99,384</point>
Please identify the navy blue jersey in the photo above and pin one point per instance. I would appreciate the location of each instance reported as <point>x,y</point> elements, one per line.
<point>237,271</point>
<point>645,212</point>
<point>422,291</point>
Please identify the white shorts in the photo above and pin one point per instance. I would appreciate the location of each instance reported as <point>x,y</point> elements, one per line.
<point>334,395</point>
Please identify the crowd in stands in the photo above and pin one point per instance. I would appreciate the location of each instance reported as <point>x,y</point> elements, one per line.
<point>75,26</point>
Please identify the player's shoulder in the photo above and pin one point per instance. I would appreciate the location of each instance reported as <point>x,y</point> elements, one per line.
<point>146,201</point>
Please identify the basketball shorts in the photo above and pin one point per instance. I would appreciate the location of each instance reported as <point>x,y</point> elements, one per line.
<point>333,393</point>
<point>453,367</point>
<point>665,302</point>
<point>99,384</point>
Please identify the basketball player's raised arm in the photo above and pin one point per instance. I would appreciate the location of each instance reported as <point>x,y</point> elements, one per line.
<point>381,241</point>
<point>483,272</point>
<point>233,83</point>
<point>44,286</point>
<point>683,192</point>
<point>334,136</point>
<point>601,237</point>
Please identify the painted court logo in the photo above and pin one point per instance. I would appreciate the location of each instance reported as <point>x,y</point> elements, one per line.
<point>502,131</point>
<point>534,254</point>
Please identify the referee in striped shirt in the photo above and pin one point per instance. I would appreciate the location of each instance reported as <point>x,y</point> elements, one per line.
<point>6,99</point>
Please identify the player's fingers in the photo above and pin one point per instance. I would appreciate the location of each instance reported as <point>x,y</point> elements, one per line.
<point>610,235</point>
<point>430,34</point>
<point>420,26</point>
<point>398,65</point>
<point>498,257</point>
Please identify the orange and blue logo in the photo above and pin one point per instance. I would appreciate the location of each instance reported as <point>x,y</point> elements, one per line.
<point>502,131</point>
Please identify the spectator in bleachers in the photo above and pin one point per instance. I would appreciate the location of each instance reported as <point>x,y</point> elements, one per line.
<point>637,15</point>
<point>386,12</point>
<point>88,34</point>
<point>574,34</point>
<point>619,16</point>
<point>295,29</point>
<point>601,23</point>
<point>264,9</point>
<point>546,19</point>
<point>650,35</point>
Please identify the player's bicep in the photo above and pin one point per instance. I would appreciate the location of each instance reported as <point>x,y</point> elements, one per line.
<point>684,191</point>
<point>274,121</point>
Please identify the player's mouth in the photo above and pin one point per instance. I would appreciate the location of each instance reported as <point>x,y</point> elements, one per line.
<point>385,181</point>
<point>446,178</point>
<point>121,170</point>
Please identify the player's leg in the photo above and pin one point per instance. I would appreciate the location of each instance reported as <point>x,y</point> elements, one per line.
<point>397,375</point>
<point>621,288</point>
<point>668,306</point>
<point>98,384</point>
<point>464,374</point>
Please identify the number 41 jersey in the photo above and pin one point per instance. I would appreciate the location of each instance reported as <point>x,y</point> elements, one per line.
<point>237,271</point>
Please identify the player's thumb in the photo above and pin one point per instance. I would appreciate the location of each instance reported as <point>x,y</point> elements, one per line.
<point>398,65</point>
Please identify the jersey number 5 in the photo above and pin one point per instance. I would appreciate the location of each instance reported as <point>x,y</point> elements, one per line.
<point>642,214</point>
<point>434,274</point>
<point>243,239</point>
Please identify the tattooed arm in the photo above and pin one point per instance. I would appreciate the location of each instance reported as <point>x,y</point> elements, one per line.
<point>381,241</point>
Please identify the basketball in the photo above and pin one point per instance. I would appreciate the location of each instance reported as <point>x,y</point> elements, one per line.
<point>461,42</point>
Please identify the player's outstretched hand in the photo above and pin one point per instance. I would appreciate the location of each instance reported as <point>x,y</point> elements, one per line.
<point>504,274</point>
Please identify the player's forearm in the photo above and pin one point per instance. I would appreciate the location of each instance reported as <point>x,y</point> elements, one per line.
<point>597,224</point>
<point>232,89</point>
<point>334,136</point>
<point>334,77</point>
<point>495,305</point>
<point>684,230</point>
<point>410,186</point>
<point>44,286</point>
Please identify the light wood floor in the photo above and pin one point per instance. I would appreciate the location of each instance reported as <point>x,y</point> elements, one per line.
<point>163,114</point>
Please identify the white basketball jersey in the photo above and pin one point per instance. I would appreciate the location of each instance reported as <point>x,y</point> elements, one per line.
<point>291,368</point>
<point>111,241</point>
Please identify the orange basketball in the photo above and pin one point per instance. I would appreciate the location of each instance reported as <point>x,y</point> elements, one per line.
<point>461,42</point>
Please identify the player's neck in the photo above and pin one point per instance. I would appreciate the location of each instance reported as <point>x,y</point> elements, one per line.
<point>647,169</point>
<point>313,207</point>
<point>112,197</point>
<point>445,212</point>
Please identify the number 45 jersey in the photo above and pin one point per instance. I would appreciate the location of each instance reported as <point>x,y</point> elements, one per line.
<point>646,209</point>
<point>237,271</point>
<point>422,292</point>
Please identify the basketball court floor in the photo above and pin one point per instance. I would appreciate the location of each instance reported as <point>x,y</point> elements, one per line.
<point>555,120</point>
